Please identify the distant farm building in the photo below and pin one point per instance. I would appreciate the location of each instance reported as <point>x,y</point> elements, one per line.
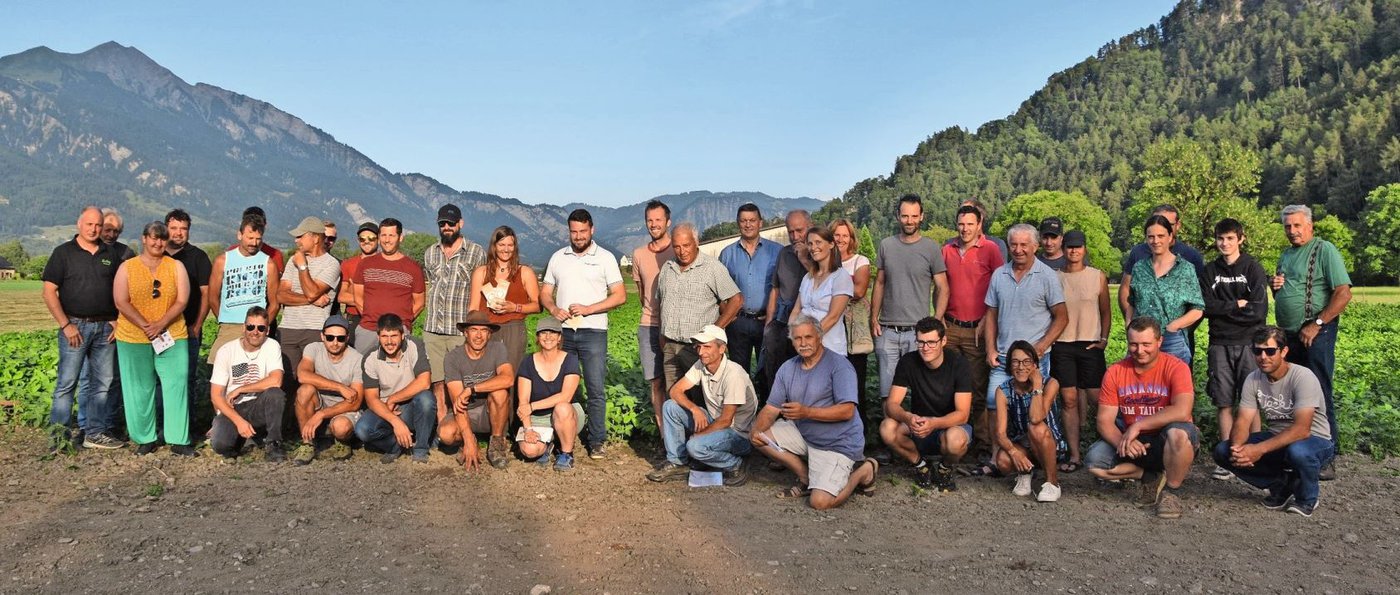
<point>7,270</point>
<point>776,233</point>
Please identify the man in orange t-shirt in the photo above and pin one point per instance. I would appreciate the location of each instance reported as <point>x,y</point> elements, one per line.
<point>1144,421</point>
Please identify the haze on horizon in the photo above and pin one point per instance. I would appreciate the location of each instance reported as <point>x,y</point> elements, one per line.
<point>612,103</point>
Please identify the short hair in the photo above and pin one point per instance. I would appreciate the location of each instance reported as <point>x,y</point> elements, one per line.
<point>656,204</point>
<point>1025,346</point>
<point>328,224</point>
<point>254,222</point>
<point>1263,335</point>
<point>155,229</point>
<point>1229,225</point>
<point>112,213</point>
<point>929,324</point>
<point>909,198</point>
<point>687,228</point>
<point>1167,208</point>
<point>390,322</point>
<point>391,222</point>
<point>1143,323</point>
<point>1023,228</point>
<point>981,208</point>
<point>1295,209</point>
<point>255,312</point>
<point>1159,220</point>
<point>749,207</point>
<point>799,213</point>
<point>968,210</point>
<point>803,320</point>
<point>177,215</point>
<point>583,216</point>
<point>254,211</point>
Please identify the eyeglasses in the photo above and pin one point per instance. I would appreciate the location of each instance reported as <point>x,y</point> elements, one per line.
<point>155,289</point>
<point>931,343</point>
<point>1269,351</point>
<point>1022,363</point>
<point>336,338</point>
<point>262,328</point>
<point>368,239</point>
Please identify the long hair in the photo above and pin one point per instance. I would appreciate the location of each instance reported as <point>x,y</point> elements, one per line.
<point>850,229</point>
<point>833,259</point>
<point>501,233</point>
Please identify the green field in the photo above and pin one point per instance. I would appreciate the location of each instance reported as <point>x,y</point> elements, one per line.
<point>22,307</point>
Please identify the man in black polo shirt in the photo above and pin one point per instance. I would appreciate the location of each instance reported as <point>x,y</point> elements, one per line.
<point>198,266</point>
<point>939,385</point>
<point>78,293</point>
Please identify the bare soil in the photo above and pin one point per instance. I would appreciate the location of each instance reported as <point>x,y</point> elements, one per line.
<point>108,521</point>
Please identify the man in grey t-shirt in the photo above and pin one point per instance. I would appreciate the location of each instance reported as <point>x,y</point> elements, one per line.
<point>908,266</point>
<point>400,410</point>
<point>1288,455</point>
<point>477,377</point>
<point>331,391</point>
<point>306,292</point>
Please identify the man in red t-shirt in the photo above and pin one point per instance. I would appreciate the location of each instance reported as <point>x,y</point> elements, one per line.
<point>386,283</point>
<point>1144,421</point>
<point>367,238</point>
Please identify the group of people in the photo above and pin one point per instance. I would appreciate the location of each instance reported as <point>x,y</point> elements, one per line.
<point>984,349</point>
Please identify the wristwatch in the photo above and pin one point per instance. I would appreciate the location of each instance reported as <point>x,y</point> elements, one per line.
<point>1319,321</point>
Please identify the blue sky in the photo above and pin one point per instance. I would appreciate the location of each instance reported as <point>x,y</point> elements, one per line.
<point>612,102</point>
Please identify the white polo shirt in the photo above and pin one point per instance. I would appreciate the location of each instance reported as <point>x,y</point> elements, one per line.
<point>583,279</point>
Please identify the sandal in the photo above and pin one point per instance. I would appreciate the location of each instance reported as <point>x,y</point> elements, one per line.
<point>1070,467</point>
<point>868,489</point>
<point>796,491</point>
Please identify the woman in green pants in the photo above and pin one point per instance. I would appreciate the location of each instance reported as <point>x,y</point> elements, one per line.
<point>151,291</point>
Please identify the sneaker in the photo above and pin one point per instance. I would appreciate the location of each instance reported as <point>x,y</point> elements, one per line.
<point>498,452</point>
<point>776,466</point>
<point>274,452</point>
<point>1221,473</point>
<point>1277,500</point>
<point>563,462</point>
<point>669,472</point>
<point>1152,484</point>
<point>737,475</point>
<point>544,460</point>
<point>1306,510</point>
<point>389,457</point>
<point>1023,485</point>
<point>1049,492</point>
<point>145,449</point>
<point>104,441</point>
<point>1328,473</point>
<point>1169,506</point>
<point>943,479</point>
<point>923,476</point>
<point>420,456</point>
<point>598,452</point>
<point>339,451</point>
<point>183,450</point>
<point>304,454</point>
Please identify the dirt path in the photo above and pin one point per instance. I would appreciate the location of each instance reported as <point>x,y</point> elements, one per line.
<point>110,522</point>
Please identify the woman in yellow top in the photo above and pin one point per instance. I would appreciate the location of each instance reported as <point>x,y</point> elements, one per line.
<point>151,291</point>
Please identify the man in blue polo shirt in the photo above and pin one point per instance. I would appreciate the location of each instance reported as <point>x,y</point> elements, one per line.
<point>750,262</point>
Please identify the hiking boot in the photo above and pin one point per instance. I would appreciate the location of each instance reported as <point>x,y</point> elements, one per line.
<point>274,452</point>
<point>1327,473</point>
<point>1049,492</point>
<point>943,479</point>
<point>498,452</point>
<point>1023,485</point>
<point>544,461</point>
<point>564,462</point>
<point>145,449</point>
<point>598,452</point>
<point>669,472</point>
<point>923,476</point>
<point>304,454</point>
<point>183,450</point>
<point>339,451</point>
<point>1152,484</point>
<point>1221,473</point>
<point>1169,505</point>
<point>389,457</point>
<point>1306,510</point>
<point>737,475</point>
<point>104,441</point>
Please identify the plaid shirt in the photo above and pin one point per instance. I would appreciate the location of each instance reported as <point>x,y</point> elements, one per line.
<point>690,299</point>
<point>449,285</point>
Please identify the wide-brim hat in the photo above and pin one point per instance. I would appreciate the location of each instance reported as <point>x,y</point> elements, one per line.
<point>477,318</point>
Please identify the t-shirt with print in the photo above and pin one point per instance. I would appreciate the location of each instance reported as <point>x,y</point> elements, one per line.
<point>729,386</point>
<point>235,367</point>
<point>457,366</point>
<point>324,269</point>
<point>541,389</point>
<point>1277,401</point>
<point>389,286</point>
<point>931,391</point>
<point>346,371</point>
<point>832,381</point>
<point>908,271</point>
<point>1143,395</point>
<point>392,376</point>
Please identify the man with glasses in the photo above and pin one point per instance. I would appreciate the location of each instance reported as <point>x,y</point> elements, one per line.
<point>386,283</point>
<point>330,393</point>
<point>367,238</point>
<point>306,293</point>
<point>448,266</point>
<point>243,277</point>
<point>939,384</point>
<point>330,234</point>
<point>1288,455</point>
<point>750,262</point>
<point>246,392</point>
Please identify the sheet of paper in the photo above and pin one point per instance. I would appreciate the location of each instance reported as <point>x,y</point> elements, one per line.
<point>706,479</point>
<point>546,434</point>
<point>162,342</point>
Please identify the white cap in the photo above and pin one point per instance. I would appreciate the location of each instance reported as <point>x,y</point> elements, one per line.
<point>711,333</point>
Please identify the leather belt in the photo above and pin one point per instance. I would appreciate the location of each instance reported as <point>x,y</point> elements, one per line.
<point>961,323</point>
<point>898,328</point>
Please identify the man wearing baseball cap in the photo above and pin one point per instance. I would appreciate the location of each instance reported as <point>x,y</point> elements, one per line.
<point>716,435</point>
<point>331,391</point>
<point>306,292</point>
<point>448,266</point>
<point>1052,232</point>
<point>367,238</point>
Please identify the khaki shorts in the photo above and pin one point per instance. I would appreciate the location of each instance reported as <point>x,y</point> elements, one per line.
<point>827,470</point>
<point>331,400</point>
<point>546,420</point>
<point>228,333</point>
<point>438,347</point>
<point>478,416</point>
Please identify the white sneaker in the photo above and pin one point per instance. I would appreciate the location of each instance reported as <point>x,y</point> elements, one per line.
<point>1049,492</point>
<point>1222,473</point>
<point>1023,485</point>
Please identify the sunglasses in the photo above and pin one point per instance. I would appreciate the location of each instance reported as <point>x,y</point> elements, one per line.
<point>1269,351</point>
<point>155,289</point>
<point>442,224</point>
<point>262,328</point>
<point>336,338</point>
<point>368,239</point>
<point>330,240</point>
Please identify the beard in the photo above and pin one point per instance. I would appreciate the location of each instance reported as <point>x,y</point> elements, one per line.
<point>449,237</point>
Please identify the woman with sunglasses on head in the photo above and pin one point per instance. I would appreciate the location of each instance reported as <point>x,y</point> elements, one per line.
<point>1028,428</point>
<point>506,291</point>
<point>150,293</point>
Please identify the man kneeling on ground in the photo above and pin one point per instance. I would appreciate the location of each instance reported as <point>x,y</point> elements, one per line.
<point>939,385</point>
<point>330,393</point>
<point>478,378</point>
<point>1144,421</point>
<point>718,434</point>
<point>401,411</point>
<point>1296,444</point>
<point>245,389</point>
<point>821,438</point>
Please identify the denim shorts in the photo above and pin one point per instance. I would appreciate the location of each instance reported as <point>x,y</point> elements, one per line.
<point>649,351</point>
<point>933,443</point>
<point>1103,455</point>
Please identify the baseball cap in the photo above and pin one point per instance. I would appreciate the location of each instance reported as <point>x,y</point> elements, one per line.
<point>336,320</point>
<point>711,333</point>
<point>548,323</point>
<point>449,213</point>
<point>309,225</point>
<point>369,226</point>
<point>1074,239</point>
<point>1052,226</point>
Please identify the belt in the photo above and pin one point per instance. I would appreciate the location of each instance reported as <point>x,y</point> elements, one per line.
<point>92,318</point>
<point>754,314</point>
<point>961,323</point>
<point>898,328</point>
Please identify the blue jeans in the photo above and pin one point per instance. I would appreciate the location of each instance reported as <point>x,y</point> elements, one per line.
<point>591,347</point>
<point>723,450</point>
<point>97,356</point>
<point>1175,344</point>
<point>996,376</point>
<point>746,342</point>
<point>889,346</point>
<point>1291,469</point>
<point>1321,358</point>
<point>420,413</point>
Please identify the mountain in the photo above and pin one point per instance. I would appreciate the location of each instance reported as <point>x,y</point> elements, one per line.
<point>1311,86</point>
<point>111,127</point>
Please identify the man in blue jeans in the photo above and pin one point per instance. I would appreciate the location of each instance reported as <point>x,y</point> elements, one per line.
<point>1289,454</point>
<point>750,262</point>
<point>581,284</point>
<point>78,294</point>
<point>909,276</point>
<point>401,411</point>
<point>719,431</point>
